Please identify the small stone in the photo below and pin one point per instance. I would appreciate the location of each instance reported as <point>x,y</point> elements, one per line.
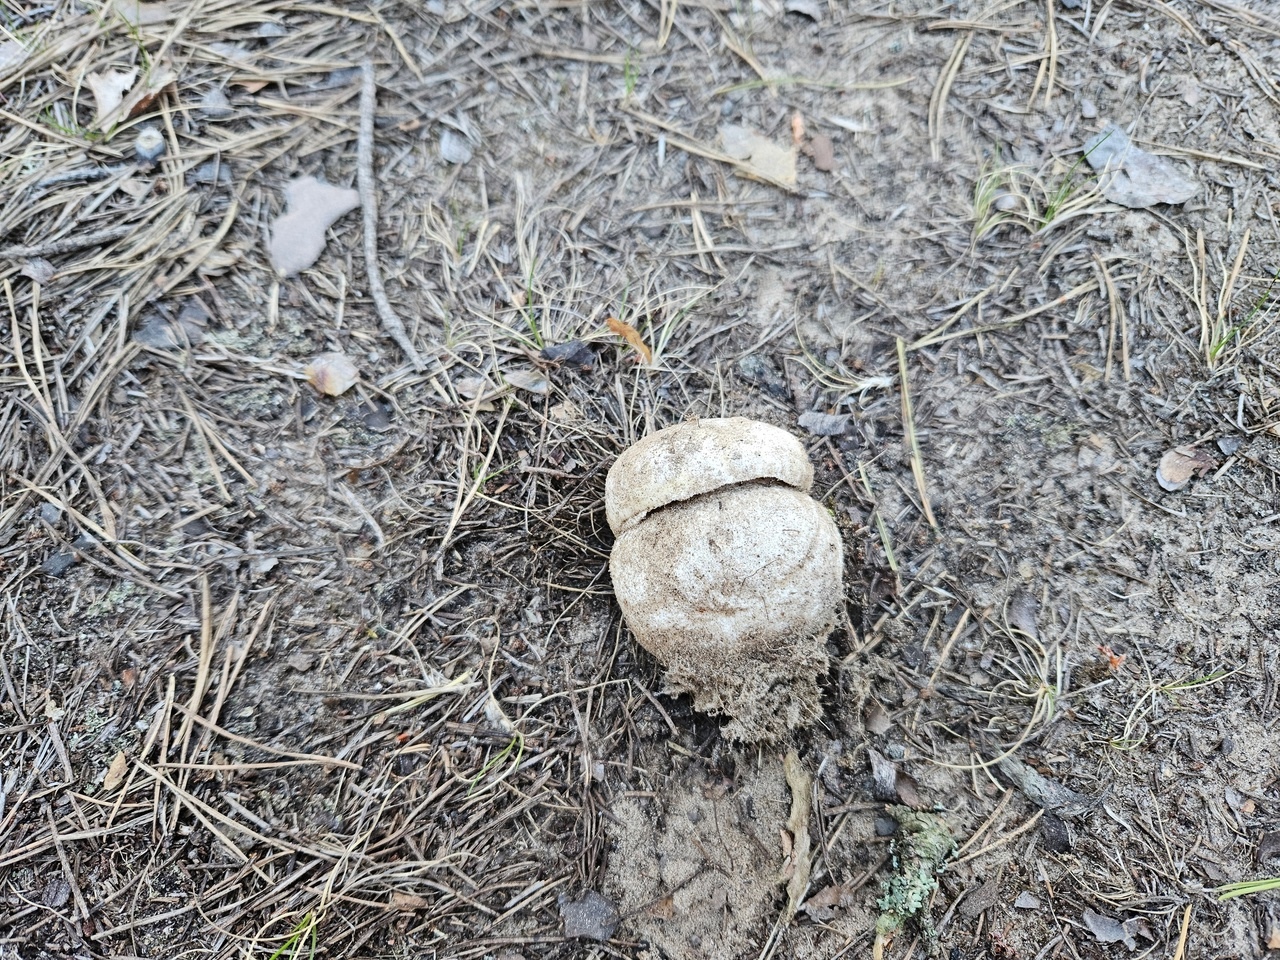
<point>1056,837</point>
<point>1027,901</point>
<point>1088,109</point>
<point>454,147</point>
<point>591,916</point>
<point>58,564</point>
<point>824,152</point>
<point>50,513</point>
<point>886,826</point>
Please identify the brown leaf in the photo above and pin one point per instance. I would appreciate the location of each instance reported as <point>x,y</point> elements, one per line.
<point>662,909</point>
<point>823,151</point>
<point>298,236</point>
<point>116,771</point>
<point>877,721</point>
<point>140,100</point>
<point>333,374</point>
<point>1180,464</point>
<point>408,901</point>
<point>827,902</point>
<point>630,334</point>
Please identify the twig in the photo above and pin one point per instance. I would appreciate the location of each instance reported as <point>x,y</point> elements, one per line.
<point>369,207</point>
<point>1182,937</point>
<point>84,175</point>
<point>67,244</point>
<point>938,102</point>
<point>913,441</point>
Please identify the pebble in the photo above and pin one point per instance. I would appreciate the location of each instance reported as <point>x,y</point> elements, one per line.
<point>1088,109</point>
<point>58,564</point>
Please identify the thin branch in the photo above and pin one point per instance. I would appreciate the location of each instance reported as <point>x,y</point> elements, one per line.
<point>369,207</point>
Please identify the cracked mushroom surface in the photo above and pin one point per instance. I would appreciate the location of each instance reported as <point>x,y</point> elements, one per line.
<point>726,570</point>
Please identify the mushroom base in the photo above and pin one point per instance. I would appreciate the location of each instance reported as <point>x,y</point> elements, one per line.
<point>763,699</point>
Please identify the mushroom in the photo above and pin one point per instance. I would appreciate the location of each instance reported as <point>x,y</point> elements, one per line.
<point>726,570</point>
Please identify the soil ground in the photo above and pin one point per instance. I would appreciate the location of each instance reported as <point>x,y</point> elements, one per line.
<point>289,674</point>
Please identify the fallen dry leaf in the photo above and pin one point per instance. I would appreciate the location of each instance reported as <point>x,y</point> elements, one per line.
<point>38,269</point>
<point>828,902</point>
<point>823,152</point>
<point>824,424</point>
<point>108,88</point>
<point>333,374</point>
<point>1132,177</point>
<point>116,771</point>
<point>759,154</point>
<point>408,902</point>
<point>1180,464</point>
<point>1107,930</point>
<point>118,97</point>
<point>662,908</point>
<point>12,53</point>
<point>524,379</point>
<point>143,14</point>
<point>298,236</point>
<point>162,77</point>
<point>630,334</point>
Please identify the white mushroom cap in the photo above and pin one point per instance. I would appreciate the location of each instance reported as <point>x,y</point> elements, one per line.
<point>708,579</point>
<point>694,458</point>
